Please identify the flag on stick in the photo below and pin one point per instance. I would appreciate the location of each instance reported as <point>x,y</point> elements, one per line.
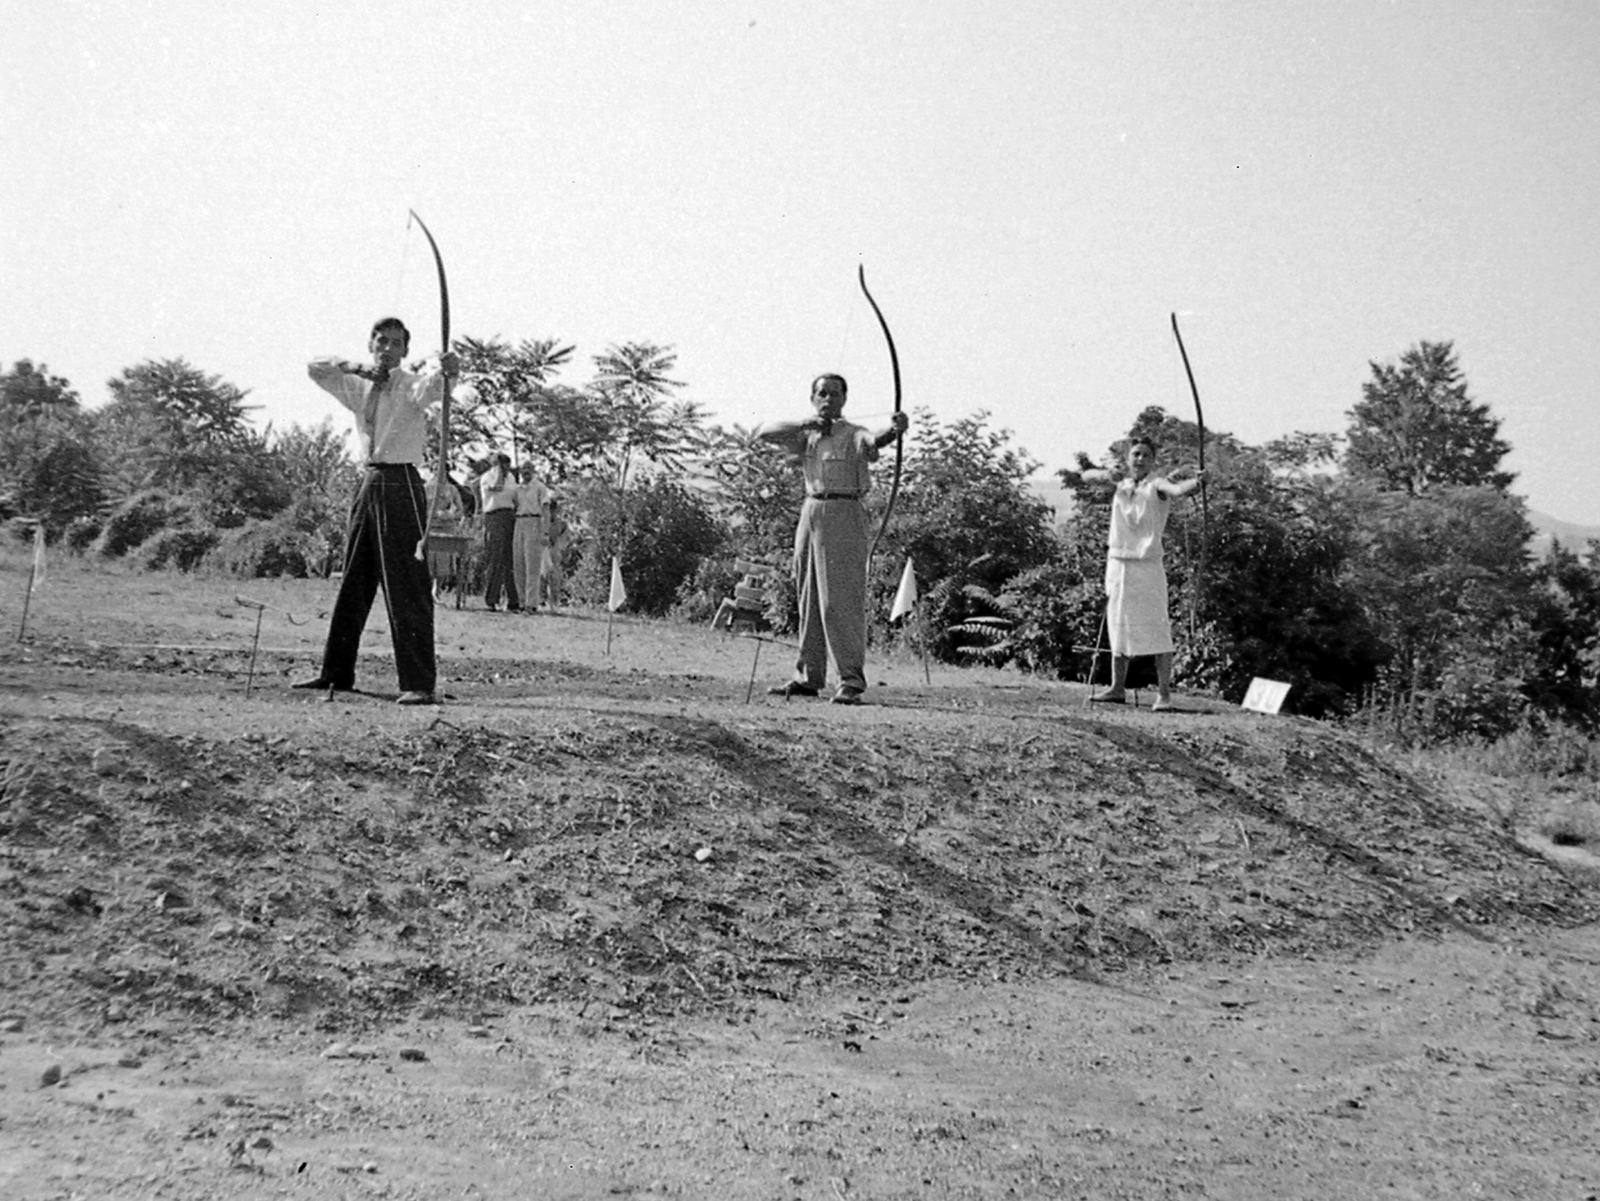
<point>37,577</point>
<point>905,598</point>
<point>619,594</point>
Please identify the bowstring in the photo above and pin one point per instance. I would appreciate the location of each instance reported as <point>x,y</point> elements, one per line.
<point>405,262</point>
<point>844,342</point>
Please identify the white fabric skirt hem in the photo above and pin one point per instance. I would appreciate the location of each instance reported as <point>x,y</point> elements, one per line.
<point>1136,607</point>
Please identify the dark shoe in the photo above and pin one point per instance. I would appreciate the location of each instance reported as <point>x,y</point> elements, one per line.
<point>416,698</point>
<point>1105,698</point>
<point>513,608</point>
<point>792,688</point>
<point>847,696</point>
<point>321,685</point>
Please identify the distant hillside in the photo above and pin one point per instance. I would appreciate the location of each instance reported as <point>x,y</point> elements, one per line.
<point>1548,529</point>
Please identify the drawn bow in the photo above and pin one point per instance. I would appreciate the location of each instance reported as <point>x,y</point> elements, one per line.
<point>442,474</point>
<point>900,438</point>
<point>1205,507</point>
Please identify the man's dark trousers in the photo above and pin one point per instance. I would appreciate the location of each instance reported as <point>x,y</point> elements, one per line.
<point>498,526</point>
<point>381,551</point>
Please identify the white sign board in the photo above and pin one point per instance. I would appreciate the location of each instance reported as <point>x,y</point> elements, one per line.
<point>1265,696</point>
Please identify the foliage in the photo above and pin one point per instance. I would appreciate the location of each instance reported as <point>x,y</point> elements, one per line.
<point>50,469</point>
<point>1036,622</point>
<point>170,426</point>
<point>1445,582</point>
<point>140,517</point>
<point>701,595</point>
<point>754,488</point>
<point>268,549</point>
<point>1417,431</point>
<point>1563,680</point>
<point>1275,600</point>
<point>177,549</point>
<point>81,533</point>
<point>660,530</point>
<point>966,516</point>
<point>512,406</point>
<point>631,381</point>
<point>322,482</point>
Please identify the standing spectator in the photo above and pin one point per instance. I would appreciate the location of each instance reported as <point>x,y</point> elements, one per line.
<point>388,516</point>
<point>498,488</point>
<point>527,547</point>
<point>557,537</point>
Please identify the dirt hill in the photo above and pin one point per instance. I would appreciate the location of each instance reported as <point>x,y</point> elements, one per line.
<point>652,844</point>
<point>600,925</point>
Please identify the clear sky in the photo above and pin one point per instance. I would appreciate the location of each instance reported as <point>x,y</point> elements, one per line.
<point>1033,185</point>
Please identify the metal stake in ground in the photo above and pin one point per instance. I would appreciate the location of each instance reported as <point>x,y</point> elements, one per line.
<point>751,687</point>
<point>1094,659</point>
<point>255,643</point>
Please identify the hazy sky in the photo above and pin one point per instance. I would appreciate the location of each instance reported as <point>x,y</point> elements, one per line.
<point>1033,185</point>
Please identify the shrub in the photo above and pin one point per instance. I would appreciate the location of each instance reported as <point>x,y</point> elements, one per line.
<point>139,517</point>
<point>81,533</point>
<point>267,549</point>
<point>1576,823</point>
<point>182,549</point>
<point>659,529</point>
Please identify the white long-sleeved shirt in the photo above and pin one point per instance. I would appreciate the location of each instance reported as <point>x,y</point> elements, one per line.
<point>400,433</point>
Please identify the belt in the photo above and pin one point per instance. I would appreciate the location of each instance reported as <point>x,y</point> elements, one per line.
<point>389,466</point>
<point>834,496</point>
<point>525,516</point>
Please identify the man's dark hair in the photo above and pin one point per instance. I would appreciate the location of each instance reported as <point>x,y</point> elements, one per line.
<point>384,323</point>
<point>1141,440</point>
<point>843,386</point>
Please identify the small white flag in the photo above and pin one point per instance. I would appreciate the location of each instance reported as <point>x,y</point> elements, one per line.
<point>38,557</point>
<point>619,594</point>
<point>905,599</point>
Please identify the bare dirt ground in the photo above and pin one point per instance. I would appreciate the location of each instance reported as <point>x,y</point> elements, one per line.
<point>600,927</point>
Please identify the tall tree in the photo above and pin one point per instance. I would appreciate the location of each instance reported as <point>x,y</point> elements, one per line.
<point>1445,582</point>
<point>50,469</point>
<point>517,406</point>
<point>171,426</point>
<point>632,379</point>
<point>1416,430</point>
<point>753,488</point>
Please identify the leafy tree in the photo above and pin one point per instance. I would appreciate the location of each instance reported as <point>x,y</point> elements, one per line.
<point>1563,681</point>
<point>29,391</point>
<point>966,515</point>
<point>516,407</point>
<point>172,427</point>
<point>753,488</point>
<point>1445,582</point>
<point>50,468</point>
<point>309,534</point>
<point>632,381</point>
<point>1417,431</point>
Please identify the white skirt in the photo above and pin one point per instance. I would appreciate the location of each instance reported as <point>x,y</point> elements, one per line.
<point>1136,607</point>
